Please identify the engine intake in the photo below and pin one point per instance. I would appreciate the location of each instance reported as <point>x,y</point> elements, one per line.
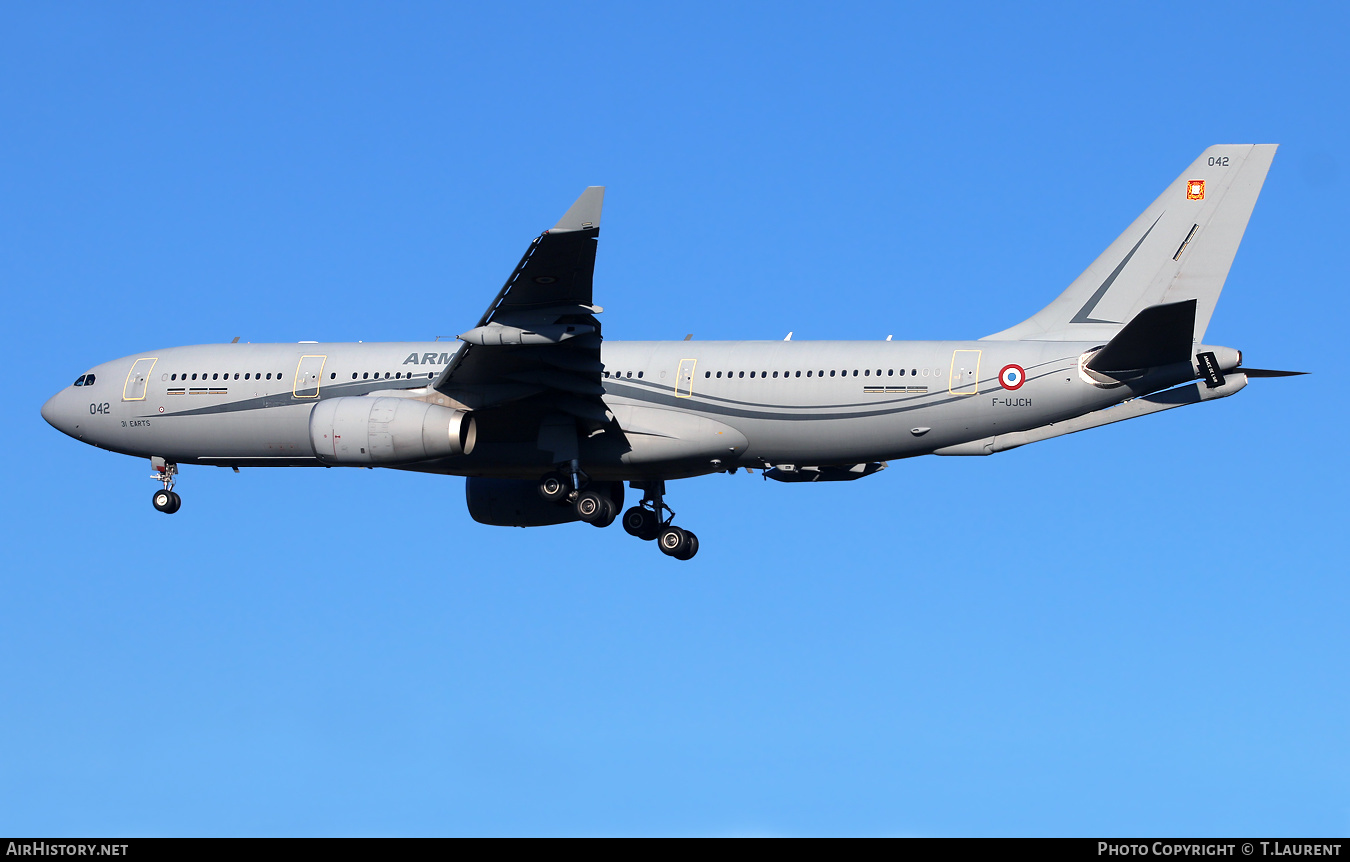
<point>364,431</point>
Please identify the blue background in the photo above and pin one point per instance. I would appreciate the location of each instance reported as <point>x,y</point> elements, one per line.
<point>1138,630</point>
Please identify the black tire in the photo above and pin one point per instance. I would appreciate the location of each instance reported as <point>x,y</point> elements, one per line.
<point>177,503</point>
<point>554,488</point>
<point>690,548</point>
<point>641,523</point>
<point>611,512</point>
<point>162,500</point>
<point>672,541</point>
<point>591,507</point>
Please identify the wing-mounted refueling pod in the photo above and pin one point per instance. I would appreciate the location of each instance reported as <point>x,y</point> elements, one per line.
<point>827,473</point>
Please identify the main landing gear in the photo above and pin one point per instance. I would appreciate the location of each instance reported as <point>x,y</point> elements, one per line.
<point>165,501</point>
<point>591,506</point>
<point>652,519</point>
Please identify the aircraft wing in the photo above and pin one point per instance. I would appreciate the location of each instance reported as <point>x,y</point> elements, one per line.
<point>538,343</point>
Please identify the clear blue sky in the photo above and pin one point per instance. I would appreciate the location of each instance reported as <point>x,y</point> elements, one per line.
<point>1138,630</point>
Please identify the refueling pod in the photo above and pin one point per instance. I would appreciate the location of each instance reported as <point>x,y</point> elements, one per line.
<point>361,431</point>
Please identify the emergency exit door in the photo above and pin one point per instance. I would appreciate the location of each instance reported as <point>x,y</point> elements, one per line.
<point>684,378</point>
<point>965,373</point>
<point>308,376</point>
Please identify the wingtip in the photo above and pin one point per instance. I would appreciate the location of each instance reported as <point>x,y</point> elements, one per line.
<point>584,212</point>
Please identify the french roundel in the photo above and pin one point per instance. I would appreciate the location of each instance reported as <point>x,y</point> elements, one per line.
<point>1012,377</point>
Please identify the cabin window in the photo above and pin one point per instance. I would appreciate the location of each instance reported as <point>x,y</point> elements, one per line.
<point>639,374</point>
<point>775,374</point>
<point>365,375</point>
<point>831,372</point>
<point>707,374</point>
<point>269,375</point>
<point>741,374</point>
<point>867,373</point>
<point>855,372</point>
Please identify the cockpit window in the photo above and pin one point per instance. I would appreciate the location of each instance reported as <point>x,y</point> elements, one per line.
<point>80,382</point>
<point>88,380</point>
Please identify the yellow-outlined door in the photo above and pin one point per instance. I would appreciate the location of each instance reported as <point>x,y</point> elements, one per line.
<point>684,378</point>
<point>965,374</point>
<point>308,376</point>
<point>137,379</point>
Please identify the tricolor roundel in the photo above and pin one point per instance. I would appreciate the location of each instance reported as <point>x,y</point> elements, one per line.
<point>1012,377</point>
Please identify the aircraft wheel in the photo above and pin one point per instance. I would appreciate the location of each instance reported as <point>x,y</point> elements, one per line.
<point>163,501</point>
<point>690,548</point>
<point>611,512</point>
<point>177,503</point>
<point>641,523</point>
<point>672,541</point>
<point>591,507</point>
<point>554,487</point>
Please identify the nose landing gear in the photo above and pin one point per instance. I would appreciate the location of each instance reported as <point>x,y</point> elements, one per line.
<point>166,500</point>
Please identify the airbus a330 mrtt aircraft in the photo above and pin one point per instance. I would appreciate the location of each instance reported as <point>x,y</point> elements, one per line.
<point>548,420</point>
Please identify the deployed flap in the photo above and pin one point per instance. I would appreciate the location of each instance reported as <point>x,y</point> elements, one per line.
<point>1180,248</point>
<point>1158,335</point>
<point>539,340</point>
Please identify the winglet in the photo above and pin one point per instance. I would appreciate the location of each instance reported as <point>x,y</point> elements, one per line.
<point>584,214</point>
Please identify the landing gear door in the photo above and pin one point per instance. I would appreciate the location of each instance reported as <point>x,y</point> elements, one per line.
<point>308,375</point>
<point>684,378</point>
<point>965,374</point>
<point>137,379</point>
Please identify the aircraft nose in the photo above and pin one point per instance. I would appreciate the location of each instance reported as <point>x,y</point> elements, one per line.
<point>58,414</point>
<point>49,411</point>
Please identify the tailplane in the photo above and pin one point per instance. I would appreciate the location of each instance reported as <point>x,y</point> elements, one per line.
<point>1179,249</point>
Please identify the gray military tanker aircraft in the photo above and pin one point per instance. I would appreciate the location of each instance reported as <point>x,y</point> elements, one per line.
<point>548,420</point>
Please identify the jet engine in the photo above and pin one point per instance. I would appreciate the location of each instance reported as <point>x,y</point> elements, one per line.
<point>363,431</point>
<point>516,502</point>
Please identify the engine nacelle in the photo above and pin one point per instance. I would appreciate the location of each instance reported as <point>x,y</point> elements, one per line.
<point>361,431</point>
<point>516,502</point>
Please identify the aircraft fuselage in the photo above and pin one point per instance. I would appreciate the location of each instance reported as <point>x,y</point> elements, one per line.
<point>794,402</point>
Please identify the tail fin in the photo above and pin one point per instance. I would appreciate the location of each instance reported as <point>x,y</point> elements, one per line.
<point>1179,249</point>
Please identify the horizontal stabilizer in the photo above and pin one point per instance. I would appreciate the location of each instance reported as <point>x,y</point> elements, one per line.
<point>1267,372</point>
<point>1158,335</point>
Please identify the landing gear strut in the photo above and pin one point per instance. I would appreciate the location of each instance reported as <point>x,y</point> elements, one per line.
<point>165,501</point>
<point>653,519</point>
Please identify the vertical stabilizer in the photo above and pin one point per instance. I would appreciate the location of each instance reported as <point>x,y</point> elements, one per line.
<point>1179,249</point>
